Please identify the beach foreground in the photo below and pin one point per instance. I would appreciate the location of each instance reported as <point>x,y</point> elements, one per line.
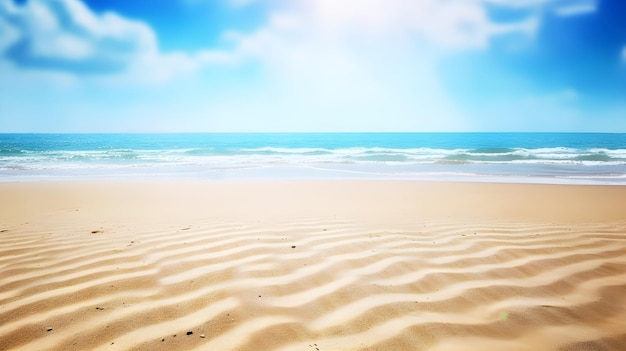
<point>311,265</point>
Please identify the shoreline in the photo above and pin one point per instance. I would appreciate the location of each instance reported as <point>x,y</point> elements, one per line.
<point>315,173</point>
<point>300,265</point>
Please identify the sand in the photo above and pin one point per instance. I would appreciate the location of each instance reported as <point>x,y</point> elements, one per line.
<point>311,265</point>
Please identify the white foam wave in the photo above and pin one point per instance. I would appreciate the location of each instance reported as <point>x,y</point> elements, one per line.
<point>387,160</point>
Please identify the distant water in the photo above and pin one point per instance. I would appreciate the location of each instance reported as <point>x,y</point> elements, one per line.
<point>586,158</point>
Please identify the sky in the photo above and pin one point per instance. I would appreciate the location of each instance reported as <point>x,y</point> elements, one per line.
<point>312,65</point>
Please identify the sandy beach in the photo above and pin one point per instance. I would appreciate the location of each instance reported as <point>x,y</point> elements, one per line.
<point>311,265</point>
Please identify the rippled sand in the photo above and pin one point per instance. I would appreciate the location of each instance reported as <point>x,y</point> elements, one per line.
<point>329,265</point>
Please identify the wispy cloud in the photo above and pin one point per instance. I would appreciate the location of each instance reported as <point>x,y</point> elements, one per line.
<point>366,58</point>
<point>576,8</point>
<point>445,24</point>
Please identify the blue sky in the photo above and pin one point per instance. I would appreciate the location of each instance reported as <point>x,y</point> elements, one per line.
<point>312,65</point>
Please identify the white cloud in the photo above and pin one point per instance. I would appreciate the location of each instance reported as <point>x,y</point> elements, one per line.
<point>454,24</point>
<point>358,64</point>
<point>66,36</point>
<point>351,64</point>
<point>369,65</point>
<point>363,59</point>
<point>563,8</point>
<point>576,8</point>
<point>321,31</point>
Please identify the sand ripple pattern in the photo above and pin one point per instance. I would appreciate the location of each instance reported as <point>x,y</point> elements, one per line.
<point>314,284</point>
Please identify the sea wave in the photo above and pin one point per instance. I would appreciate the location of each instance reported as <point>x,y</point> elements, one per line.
<point>11,152</point>
<point>273,155</point>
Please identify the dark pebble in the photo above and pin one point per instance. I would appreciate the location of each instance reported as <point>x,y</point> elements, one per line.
<point>293,247</point>
<point>189,332</point>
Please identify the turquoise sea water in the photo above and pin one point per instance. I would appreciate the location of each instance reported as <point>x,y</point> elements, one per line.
<point>509,157</point>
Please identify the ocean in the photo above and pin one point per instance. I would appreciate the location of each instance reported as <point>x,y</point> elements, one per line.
<point>569,158</point>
